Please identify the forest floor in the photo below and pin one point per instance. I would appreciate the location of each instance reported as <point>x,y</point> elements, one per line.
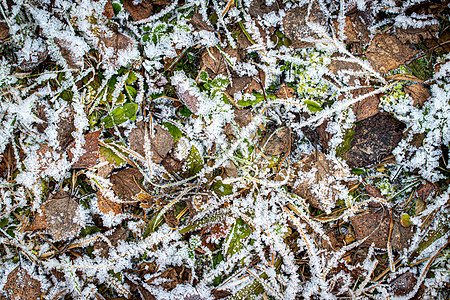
<point>260,149</point>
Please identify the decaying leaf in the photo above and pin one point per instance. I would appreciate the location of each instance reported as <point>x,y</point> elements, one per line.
<point>426,190</point>
<point>416,35</point>
<point>187,97</point>
<point>285,92</point>
<point>68,50</point>
<point>276,143</point>
<point>403,284</point>
<point>20,285</point>
<point>107,206</point>
<point>139,11</point>
<point>375,226</point>
<point>418,92</point>
<point>115,45</point>
<point>90,156</point>
<point>367,107</point>
<point>160,144</point>
<point>355,28</point>
<point>295,27</point>
<point>316,180</point>
<point>61,216</point>
<point>173,276</point>
<point>199,24</point>
<point>126,183</point>
<point>374,139</point>
<point>345,71</point>
<point>109,10</point>
<point>4,31</point>
<point>114,236</point>
<point>386,52</point>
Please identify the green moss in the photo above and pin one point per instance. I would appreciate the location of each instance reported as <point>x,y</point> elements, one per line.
<point>345,145</point>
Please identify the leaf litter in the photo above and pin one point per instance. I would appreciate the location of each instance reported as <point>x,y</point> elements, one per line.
<point>238,150</point>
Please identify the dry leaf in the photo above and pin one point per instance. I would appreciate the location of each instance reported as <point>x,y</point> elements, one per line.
<point>277,143</point>
<point>4,31</point>
<point>90,157</point>
<point>367,107</point>
<point>138,12</point>
<point>199,24</point>
<point>187,97</point>
<point>126,183</point>
<point>160,144</point>
<point>374,139</point>
<point>21,286</point>
<point>73,58</point>
<point>109,10</point>
<point>107,206</point>
<point>375,225</point>
<point>114,46</point>
<point>418,92</point>
<point>425,190</point>
<point>325,175</point>
<point>403,284</point>
<point>386,52</point>
<point>114,236</point>
<point>295,28</point>
<point>416,35</point>
<point>285,92</point>
<point>61,216</point>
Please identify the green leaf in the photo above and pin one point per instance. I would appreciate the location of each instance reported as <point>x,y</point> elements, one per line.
<point>220,82</point>
<point>222,189</point>
<point>184,111</point>
<point>203,76</point>
<point>194,161</point>
<point>258,98</point>
<point>174,131</point>
<point>131,91</point>
<point>117,8</point>
<point>313,106</point>
<point>120,115</point>
<point>110,156</point>
<point>358,171</point>
<point>238,233</point>
<point>4,222</point>
<point>131,77</point>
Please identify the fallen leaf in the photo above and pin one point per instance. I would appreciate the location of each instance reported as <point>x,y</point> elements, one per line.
<point>171,220</point>
<point>21,286</point>
<point>138,12</point>
<point>295,27</point>
<point>285,92</point>
<point>374,139</point>
<point>68,50</point>
<point>171,164</point>
<point>126,183</point>
<point>4,31</point>
<point>367,107</point>
<point>7,162</point>
<point>418,92</point>
<point>199,24</point>
<point>187,97</point>
<point>386,52</point>
<point>109,10</point>
<point>373,191</point>
<point>426,190</point>
<point>355,28</point>
<point>174,276</point>
<point>107,206</point>
<point>160,144</point>
<point>37,56</point>
<point>277,143</point>
<point>91,154</point>
<point>375,225</point>
<point>114,236</point>
<point>403,284</point>
<point>113,46</point>
<point>344,71</point>
<point>61,216</point>
<point>416,35</point>
<point>316,170</point>
<point>259,8</point>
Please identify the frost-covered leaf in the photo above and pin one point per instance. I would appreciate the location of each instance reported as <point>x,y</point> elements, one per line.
<point>418,92</point>
<point>20,285</point>
<point>114,236</point>
<point>126,183</point>
<point>367,107</point>
<point>160,144</point>
<point>276,142</point>
<point>108,206</point>
<point>238,233</point>
<point>139,11</point>
<point>374,139</point>
<point>91,147</point>
<point>62,216</point>
<point>386,52</point>
<point>194,161</point>
<point>121,114</point>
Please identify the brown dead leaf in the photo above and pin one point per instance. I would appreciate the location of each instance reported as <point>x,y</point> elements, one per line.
<point>138,12</point>
<point>187,97</point>
<point>175,276</point>
<point>35,58</point>
<point>171,164</point>
<point>115,45</point>
<point>403,284</point>
<point>109,10</point>
<point>258,8</point>
<point>7,162</point>
<point>375,225</point>
<point>285,92</point>
<point>61,216</point>
<point>386,52</point>
<point>214,63</point>
<point>171,219</point>
<point>416,35</point>
<point>160,144</point>
<point>323,169</point>
<point>107,206</point>
<point>199,24</point>
<point>4,31</point>
<point>373,191</point>
<point>38,223</point>
<point>346,71</point>
<point>355,28</point>
<point>20,285</point>
<point>418,92</point>
<point>425,190</point>
<point>367,107</point>
<point>220,294</point>
<point>295,28</point>
<point>126,183</point>
<point>114,236</point>
<point>374,139</point>
<point>90,157</point>
<point>73,58</point>
<point>277,143</point>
